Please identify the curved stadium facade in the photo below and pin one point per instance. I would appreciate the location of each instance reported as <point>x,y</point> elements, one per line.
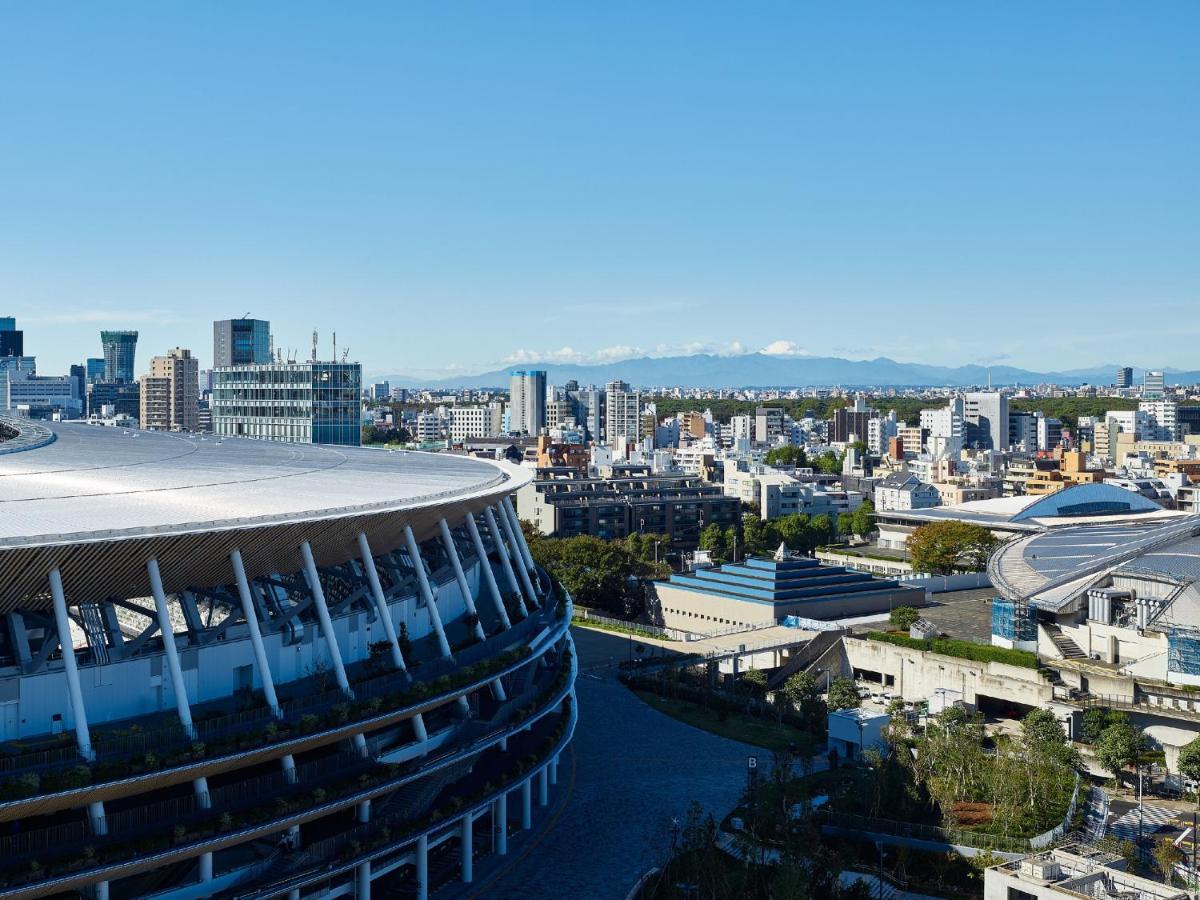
<point>364,677</point>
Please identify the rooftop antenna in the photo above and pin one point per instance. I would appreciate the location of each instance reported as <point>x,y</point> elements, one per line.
<point>335,346</point>
<point>345,353</point>
<point>314,352</point>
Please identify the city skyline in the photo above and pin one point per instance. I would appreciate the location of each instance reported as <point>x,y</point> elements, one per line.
<point>607,183</point>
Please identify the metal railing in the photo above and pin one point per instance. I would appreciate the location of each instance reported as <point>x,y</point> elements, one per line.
<point>171,738</point>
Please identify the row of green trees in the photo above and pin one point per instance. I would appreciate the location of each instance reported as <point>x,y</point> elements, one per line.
<point>799,531</point>
<point>943,548</point>
<point>603,575</point>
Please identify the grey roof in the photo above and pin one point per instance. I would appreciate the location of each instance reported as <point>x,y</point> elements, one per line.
<point>139,493</point>
<point>1044,566</point>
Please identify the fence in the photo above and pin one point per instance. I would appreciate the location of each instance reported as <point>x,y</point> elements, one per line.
<point>937,584</point>
<point>655,631</point>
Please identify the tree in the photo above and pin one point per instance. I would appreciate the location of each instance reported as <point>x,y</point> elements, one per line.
<point>756,537</point>
<point>845,524</point>
<point>843,694</point>
<point>1189,760</point>
<point>790,455</point>
<point>1166,855</point>
<point>1118,746</point>
<point>829,463</point>
<point>864,518</point>
<point>715,539</point>
<point>1095,720</point>
<point>754,683</point>
<point>943,548</point>
<point>1042,731</point>
<point>902,617</point>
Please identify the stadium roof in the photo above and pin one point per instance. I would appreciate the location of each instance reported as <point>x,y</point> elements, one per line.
<point>99,502</point>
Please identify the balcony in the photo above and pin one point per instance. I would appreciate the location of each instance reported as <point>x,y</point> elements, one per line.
<point>149,837</point>
<point>152,758</point>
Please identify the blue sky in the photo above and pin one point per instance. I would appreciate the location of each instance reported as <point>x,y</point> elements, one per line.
<point>452,187</point>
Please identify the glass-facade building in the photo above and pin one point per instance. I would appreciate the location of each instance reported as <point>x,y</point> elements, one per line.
<point>305,403</point>
<point>241,342</point>
<point>119,350</point>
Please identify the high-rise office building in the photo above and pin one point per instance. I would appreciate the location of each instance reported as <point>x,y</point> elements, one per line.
<point>304,402</point>
<point>985,419</point>
<point>12,341</point>
<point>527,400</point>
<point>622,414</point>
<point>1124,378</point>
<point>241,342</point>
<point>120,347</point>
<point>1153,385</point>
<point>95,369</point>
<point>170,393</point>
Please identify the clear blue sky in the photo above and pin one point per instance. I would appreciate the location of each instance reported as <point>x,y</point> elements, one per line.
<point>451,186</point>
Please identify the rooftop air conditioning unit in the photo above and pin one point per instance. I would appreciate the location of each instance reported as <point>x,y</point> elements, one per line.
<point>1043,868</point>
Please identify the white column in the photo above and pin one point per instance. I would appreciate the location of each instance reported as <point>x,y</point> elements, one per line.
<point>554,770</point>
<point>206,867</point>
<point>364,812</point>
<point>467,848</point>
<point>543,786</point>
<point>460,576</point>
<point>250,614</point>
<point>362,880</point>
<point>101,891</point>
<point>167,632</point>
<point>522,544</point>
<point>435,616</point>
<point>381,606</point>
<point>389,627</point>
<point>318,594</point>
<point>485,569</point>
<point>335,653</point>
<point>422,853</point>
<point>527,803</point>
<point>256,642</point>
<point>83,737</point>
<point>500,824</point>
<point>502,552</point>
<point>515,553</point>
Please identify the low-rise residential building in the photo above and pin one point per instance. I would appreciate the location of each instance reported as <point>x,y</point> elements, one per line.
<point>903,490</point>
<point>476,421</point>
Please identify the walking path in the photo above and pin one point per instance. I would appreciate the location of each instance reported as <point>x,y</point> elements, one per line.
<point>630,772</point>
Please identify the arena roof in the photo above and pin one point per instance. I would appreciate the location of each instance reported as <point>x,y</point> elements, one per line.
<point>1053,566</point>
<point>101,501</point>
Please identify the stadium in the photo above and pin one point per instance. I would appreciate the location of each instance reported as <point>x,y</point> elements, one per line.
<point>248,669</point>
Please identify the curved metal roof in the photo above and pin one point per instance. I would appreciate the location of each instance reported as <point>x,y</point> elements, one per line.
<point>1087,500</point>
<point>99,502</point>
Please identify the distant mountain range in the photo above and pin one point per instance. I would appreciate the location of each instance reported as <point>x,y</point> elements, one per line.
<point>759,370</point>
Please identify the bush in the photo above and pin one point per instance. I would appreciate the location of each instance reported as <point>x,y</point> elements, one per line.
<point>902,617</point>
<point>960,649</point>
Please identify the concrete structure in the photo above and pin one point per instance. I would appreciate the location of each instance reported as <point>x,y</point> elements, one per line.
<point>278,659</point>
<point>527,401</point>
<point>169,395</point>
<point>1072,871</point>
<point>854,731</point>
<point>304,403</point>
<point>241,342</point>
<point>476,421</point>
<point>622,415</point>
<point>120,348</point>
<point>561,502</point>
<point>762,591</point>
<point>985,416</point>
<point>1124,378</point>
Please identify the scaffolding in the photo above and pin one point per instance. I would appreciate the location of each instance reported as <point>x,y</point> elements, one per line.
<point>1013,620</point>
<point>1183,651</point>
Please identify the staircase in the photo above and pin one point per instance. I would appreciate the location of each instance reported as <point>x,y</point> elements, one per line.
<point>1067,647</point>
<point>802,660</point>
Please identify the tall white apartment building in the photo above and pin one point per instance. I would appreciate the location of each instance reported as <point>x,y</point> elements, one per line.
<point>880,430</point>
<point>944,428</point>
<point>527,400</point>
<point>476,421</point>
<point>428,427</point>
<point>1162,420</point>
<point>622,415</point>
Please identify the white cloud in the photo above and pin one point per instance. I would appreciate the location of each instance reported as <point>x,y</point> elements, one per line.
<point>784,348</point>
<point>103,317</point>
